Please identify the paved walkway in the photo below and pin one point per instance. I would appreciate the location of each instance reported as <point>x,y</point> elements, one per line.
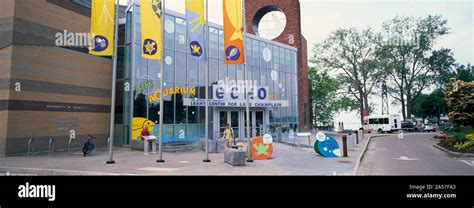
<point>287,160</point>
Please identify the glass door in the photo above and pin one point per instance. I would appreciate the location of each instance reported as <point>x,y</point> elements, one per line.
<point>259,123</point>
<point>234,123</point>
<point>222,122</point>
<point>245,124</point>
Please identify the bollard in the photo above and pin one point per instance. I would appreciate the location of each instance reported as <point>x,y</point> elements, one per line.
<point>357,136</point>
<point>50,146</point>
<point>344,146</point>
<point>108,144</point>
<point>31,146</point>
<point>71,146</point>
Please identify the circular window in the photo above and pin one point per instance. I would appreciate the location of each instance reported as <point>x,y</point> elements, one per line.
<point>269,22</point>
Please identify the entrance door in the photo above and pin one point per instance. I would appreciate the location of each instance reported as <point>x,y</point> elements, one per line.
<point>259,123</point>
<point>236,118</point>
<point>232,118</point>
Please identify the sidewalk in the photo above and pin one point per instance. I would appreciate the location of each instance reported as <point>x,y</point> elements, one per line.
<point>286,160</point>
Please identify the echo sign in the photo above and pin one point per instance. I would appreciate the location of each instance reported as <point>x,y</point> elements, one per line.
<point>236,93</point>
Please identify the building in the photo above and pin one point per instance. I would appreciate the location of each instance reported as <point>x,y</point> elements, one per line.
<point>63,92</point>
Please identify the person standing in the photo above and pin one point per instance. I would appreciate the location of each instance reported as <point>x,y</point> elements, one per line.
<point>228,135</point>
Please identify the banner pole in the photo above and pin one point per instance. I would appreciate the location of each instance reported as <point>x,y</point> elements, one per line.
<point>114,83</point>
<point>160,147</point>
<point>207,160</point>
<point>247,99</point>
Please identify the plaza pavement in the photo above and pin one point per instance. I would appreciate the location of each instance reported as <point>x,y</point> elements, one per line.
<point>287,159</point>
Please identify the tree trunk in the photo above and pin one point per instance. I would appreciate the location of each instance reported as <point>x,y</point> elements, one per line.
<point>402,100</point>
<point>409,102</point>
<point>366,103</point>
<point>361,105</point>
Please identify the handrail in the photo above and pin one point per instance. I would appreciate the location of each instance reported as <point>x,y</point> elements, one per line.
<point>31,146</point>
<point>50,146</point>
<point>71,146</point>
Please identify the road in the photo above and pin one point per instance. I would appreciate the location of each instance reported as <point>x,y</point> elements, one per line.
<point>412,155</point>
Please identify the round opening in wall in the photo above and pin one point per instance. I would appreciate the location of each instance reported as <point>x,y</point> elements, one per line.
<point>269,22</point>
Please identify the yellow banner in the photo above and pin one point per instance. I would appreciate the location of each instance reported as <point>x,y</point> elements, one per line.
<point>150,16</point>
<point>102,27</point>
<point>233,32</point>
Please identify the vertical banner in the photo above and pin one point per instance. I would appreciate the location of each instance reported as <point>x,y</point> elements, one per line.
<point>102,27</point>
<point>150,17</point>
<point>233,32</point>
<point>195,27</point>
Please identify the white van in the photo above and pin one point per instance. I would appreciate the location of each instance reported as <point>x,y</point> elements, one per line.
<point>382,123</point>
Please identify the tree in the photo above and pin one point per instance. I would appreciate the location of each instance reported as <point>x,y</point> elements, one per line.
<point>460,98</point>
<point>413,67</point>
<point>325,101</point>
<point>464,73</point>
<point>430,105</point>
<point>351,54</point>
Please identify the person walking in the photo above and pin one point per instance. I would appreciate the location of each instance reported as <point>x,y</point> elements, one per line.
<point>228,135</point>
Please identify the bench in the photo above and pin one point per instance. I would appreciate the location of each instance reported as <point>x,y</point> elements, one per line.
<point>148,139</point>
<point>304,135</point>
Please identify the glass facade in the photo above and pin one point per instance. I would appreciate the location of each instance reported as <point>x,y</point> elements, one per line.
<point>271,64</point>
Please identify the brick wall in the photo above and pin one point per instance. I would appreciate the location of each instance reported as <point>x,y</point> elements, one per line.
<point>291,36</point>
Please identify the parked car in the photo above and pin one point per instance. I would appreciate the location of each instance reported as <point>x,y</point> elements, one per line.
<point>429,128</point>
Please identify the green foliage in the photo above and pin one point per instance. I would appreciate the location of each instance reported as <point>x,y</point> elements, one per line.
<point>432,105</point>
<point>412,68</point>
<point>324,97</point>
<point>461,102</point>
<point>465,145</point>
<point>350,53</point>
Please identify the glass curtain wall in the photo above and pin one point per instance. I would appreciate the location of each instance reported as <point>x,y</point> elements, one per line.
<point>270,64</point>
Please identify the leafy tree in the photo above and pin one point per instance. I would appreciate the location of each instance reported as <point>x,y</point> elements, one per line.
<point>325,99</point>
<point>460,98</point>
<point>464,73</point>
<point>351,54</point>
<point>430,105</point>
<point>412,65</point>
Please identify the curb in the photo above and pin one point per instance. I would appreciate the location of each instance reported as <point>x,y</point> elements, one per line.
<point>451,153</point>
<point>359,159</point>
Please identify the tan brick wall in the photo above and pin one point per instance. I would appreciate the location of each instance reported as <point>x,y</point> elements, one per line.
<point>73,68</point>
<point>7,8</point>
<point>52,97</point>
<point>23,124</point>
<point>3,131</point>
<point>5,62</point>
<point>45,13</point>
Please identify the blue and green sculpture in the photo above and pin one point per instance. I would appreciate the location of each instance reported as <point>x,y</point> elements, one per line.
<point>326,146</point>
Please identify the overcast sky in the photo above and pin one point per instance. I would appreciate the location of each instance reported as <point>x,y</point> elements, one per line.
<point>320,17</point>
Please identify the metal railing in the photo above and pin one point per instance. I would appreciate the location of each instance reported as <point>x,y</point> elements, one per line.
<point>31,147</point>
<point>51,146</point>
<point>71,146</point>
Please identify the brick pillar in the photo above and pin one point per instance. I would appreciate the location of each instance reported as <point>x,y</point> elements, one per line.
<point>291,36</point>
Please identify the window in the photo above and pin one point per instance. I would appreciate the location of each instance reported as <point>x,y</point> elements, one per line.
<point>381,121</point>
<point>181,67</point>
<point>272,25</point>
<point>180,35</point>
<point>169,32</point>
<point>385,121</point>
<point>213,43</point>
<point>168,73</point>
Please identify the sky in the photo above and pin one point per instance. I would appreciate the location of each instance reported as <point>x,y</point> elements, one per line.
<point>320,17</point>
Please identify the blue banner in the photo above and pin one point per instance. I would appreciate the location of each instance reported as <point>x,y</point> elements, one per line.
<point>196,28</point>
